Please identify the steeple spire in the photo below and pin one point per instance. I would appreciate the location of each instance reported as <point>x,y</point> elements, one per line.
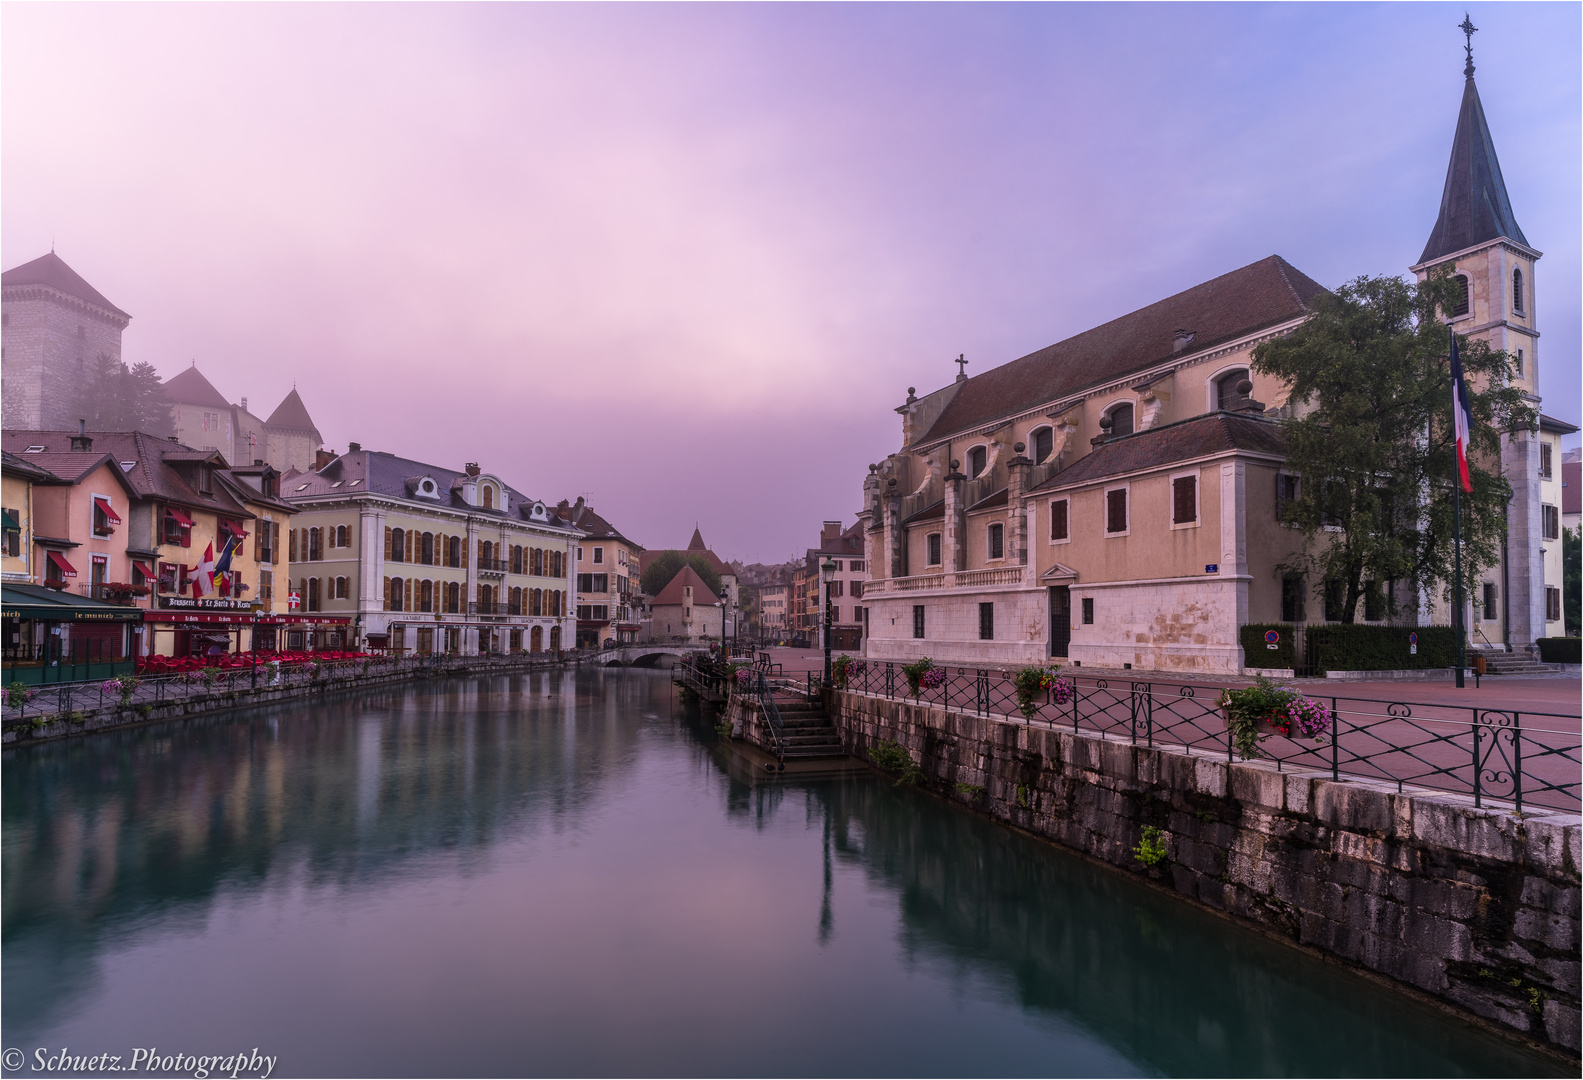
<point>1474,207</point>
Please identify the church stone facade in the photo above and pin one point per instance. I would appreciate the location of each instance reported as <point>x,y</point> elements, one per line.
<point>1113,500</point>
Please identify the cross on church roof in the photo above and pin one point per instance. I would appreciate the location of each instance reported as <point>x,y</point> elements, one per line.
<point>1468,29</point>
<point>961,362</point>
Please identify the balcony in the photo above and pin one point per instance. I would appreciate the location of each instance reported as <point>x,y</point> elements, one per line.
<point>492,566</point>
<point>998,577</point>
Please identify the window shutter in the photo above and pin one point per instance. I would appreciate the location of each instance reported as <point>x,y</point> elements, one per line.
<point>1186,509</point>
<point>406,604</point>
<point>387,543</point>
<point>274,542</point>
<point>1116,511</point>
<point>387,594</point>
<point>466,550</point>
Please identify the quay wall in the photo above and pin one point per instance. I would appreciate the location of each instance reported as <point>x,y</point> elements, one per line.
<point>208,702</point>
<point>1475,908</point>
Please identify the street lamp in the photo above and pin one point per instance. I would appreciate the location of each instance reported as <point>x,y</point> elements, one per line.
<point>723,605</point>
<point>827,574</point>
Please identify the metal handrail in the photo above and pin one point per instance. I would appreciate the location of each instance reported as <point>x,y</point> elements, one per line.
<point>1520,757</point>
<point>772,713</point>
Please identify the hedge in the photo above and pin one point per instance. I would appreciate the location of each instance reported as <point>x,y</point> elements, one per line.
<point>1561,650</point>
<point>1352,647</point>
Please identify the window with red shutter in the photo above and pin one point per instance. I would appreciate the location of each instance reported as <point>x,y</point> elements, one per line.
<point>1184,490</point>
<point>1116,511</point>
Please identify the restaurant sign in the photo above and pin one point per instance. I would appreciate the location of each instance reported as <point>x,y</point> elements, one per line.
<point>207,603</point>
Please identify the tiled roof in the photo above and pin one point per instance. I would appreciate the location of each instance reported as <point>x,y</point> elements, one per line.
<point>1199,437</point>
<point>379,473</point>
<point>989,502</point>
<point>191,388</point>
<point>17,465</point>
<point>697,542</point>
<point>1559,427</point>
<point>72,468</point>
<point>292,413</point>
<point>1474,206</point>
<point>928,513</point>
<point>150,476</point>
<point>1260,295</point>
<point>672,593</point>
<point>595,527</point>
<point>715,562</point>
<point>52,270</point>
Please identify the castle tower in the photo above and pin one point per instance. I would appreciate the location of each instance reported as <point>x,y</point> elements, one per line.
<point>55,329</point>
<point>290,435</point>
<point>1477,237</point>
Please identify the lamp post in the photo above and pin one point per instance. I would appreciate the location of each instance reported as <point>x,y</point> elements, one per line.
<point>827,575</point>
<point>723,605</point>
<point>257,606</point>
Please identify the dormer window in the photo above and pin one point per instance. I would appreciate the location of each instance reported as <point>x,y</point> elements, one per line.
<point>205,480</point>
<point>487,500</point>
<point>1460,294</point>
<point>1226,388</point>
<point>425,486</point>
<point>1043,445</point>
<point>1121,420</point>
<point>977,458</point>
<point>1517,291</point>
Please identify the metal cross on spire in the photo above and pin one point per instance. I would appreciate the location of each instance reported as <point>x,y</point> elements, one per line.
<point>961,362</point>
<point>1469,29</point>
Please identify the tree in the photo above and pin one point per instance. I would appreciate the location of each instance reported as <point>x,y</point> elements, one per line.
<point>114,397</point>
<point>669,563</point>
<point>1572,579</point>
<point>1372,442</point>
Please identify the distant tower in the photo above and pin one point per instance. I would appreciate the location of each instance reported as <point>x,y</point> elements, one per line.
<point>54,330</point>
<point>290,435</point>
<point>1477,237</point>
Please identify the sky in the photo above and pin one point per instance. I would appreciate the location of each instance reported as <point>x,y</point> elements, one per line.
<point>685,260</point>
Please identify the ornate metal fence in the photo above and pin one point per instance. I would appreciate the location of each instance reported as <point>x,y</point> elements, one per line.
<point>1515,756</point>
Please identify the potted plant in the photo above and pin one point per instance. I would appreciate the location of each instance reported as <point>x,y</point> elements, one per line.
<point>1034,680</point>
<point>843,669</point>
<point>1256,712</point>
<point>923,675</point>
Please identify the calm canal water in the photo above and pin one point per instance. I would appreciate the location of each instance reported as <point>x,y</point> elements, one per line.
<point>549,874</point>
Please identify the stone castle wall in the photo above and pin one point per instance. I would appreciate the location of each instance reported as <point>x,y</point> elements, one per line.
<point>51,344</point>
<point>1477,908</point>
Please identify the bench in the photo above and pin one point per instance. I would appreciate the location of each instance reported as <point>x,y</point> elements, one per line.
<point>762,662</point>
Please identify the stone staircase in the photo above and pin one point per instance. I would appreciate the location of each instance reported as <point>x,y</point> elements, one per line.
<point>1502,663</point>
<point>807,731</point>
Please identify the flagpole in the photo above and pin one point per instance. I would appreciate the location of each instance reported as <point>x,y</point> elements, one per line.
<point>1456,524</point>
<point>1456,592</point>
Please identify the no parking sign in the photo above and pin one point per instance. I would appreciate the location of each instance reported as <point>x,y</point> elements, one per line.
<point>1272,639</point>
<point>1412,643</point>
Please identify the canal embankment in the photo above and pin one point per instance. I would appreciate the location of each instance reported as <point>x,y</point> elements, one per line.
<point>68,710</point>
<point>1475,907</point>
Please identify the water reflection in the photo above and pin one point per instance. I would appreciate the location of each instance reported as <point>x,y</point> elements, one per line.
<point>540,865</point>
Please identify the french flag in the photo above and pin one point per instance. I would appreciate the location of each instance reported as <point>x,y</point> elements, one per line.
<point>1461,415</point>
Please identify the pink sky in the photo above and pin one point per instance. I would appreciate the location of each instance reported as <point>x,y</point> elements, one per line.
<point>687,259</point>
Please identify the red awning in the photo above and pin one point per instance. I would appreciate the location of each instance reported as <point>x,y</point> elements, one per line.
<point>234,528</point>
<point>105,508</point>
<point>146,567</point>
<point>181,517</point>
<point>66,569</point>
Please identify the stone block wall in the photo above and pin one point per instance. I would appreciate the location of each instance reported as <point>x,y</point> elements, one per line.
<point>1477,908</point>
<point>51,341</point>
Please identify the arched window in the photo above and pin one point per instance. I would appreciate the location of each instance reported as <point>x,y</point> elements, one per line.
<point>516,602</point>
<point>342,592</point>
<point>1517,291</point>
<point>343,537</point>
<point>560,564</point>
<point>486,552</point>
<point>313,594</point>
<point>1121,419</point>
<point>1460,295</point>
<point>1043,445</point>
<point>395,594</point>
<point>977,458</point>
<point>489,497</point>
<point>555,639</point>
<point>398,547</point>
<point>428,549</point>
<point>1226,388</point>
<point>315,552</point>
<point>516,559</point>
<point>538,602</point>
<point>453,597</point>
<point>426,602</point>
<point>455,544</point>
<point>536,639</point>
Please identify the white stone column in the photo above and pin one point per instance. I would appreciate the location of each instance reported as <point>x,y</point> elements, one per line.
<point>1234,548</point>
<point>1526,572</point>
<point>371,569</point>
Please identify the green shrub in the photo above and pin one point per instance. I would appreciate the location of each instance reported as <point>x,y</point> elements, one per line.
<point>1351,647</point>
<point>1151,847</point>
<point>892,757</point>
<point>1561,650</point>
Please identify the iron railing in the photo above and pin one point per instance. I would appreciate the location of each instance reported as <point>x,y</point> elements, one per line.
<point>1526,758</point>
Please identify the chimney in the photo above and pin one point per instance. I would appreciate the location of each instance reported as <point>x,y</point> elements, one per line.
<point>472,468</point>
<point>1183,339</point>
<point>322,457</point>
<point>830,534</point>
<point>80,443</point>
<point>354,447</point>
<point>258,461</point>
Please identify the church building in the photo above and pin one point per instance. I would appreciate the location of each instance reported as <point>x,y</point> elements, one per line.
<point>1113,500</point>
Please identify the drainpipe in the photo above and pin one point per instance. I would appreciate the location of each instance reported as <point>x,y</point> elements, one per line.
<point>1506,589</point>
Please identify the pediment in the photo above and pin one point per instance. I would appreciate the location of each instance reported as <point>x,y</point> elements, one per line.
<point>1059,574</point>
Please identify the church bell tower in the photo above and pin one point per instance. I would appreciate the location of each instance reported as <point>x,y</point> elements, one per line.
<point>1476,236</point>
